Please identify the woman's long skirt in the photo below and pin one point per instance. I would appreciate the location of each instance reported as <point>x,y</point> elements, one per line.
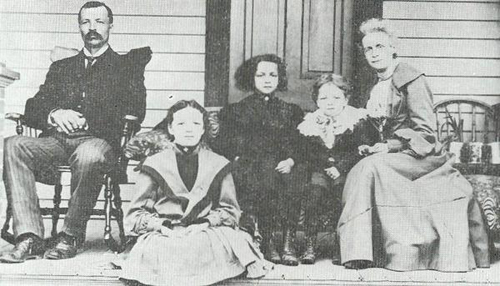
<point>404,213</point>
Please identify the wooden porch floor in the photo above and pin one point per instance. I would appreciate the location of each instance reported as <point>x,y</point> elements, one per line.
<point>92,267</point>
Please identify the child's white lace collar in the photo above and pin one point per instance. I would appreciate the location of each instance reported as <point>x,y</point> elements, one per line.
<point>315,123</point>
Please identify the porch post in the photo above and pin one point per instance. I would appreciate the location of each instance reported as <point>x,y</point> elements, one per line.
<point>363,76</point>
<point>218,26</point>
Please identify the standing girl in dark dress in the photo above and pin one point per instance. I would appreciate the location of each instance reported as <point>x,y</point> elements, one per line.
<point>331,137</point>
<point>260,132</point>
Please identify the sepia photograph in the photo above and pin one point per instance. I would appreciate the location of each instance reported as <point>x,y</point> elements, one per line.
<point>250,142</point>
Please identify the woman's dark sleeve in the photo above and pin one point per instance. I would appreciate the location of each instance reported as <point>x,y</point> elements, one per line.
<point>420,138</point>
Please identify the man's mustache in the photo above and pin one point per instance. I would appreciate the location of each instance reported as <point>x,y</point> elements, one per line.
<point>92,34</point>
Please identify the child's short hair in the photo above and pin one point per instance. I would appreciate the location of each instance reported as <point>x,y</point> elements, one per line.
<point>335,79</point>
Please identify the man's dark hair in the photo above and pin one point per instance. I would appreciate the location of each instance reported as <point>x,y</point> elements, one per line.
<point>245,74</point>
<point>95,4</point>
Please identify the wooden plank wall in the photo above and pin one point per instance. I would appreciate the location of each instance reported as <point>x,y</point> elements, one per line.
<point>174,29</point>
<point>457,45</point>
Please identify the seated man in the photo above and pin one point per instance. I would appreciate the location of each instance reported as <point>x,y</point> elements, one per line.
<point>80,109</point>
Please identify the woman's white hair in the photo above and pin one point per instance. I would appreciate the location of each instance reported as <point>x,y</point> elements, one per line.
<point>376,25</point>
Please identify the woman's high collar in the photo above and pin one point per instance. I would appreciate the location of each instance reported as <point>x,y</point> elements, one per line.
<point>265,97</point>
<point>387,74</point>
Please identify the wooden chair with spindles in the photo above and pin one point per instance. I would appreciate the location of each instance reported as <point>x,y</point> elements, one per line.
<point>111,184</point>
<point>477,119</point>
<point>479,124</point>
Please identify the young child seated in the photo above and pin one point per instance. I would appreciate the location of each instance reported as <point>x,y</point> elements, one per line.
<point>185,212</point>
<point>331,136</point>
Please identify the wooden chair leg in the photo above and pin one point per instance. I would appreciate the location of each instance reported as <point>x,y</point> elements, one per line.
<point>6,235</point>
<point>117,199</point>
<point>56,210</point>
<point>108,196</point>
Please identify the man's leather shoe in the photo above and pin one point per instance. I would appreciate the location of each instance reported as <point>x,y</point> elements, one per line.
<point>66,247</point>
<point>28,247</point>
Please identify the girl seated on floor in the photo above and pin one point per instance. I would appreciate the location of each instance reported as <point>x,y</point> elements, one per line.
<point>331,136</point>
<point>185,212</point>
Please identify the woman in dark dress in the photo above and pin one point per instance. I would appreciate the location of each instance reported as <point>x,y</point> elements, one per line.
<point>260,133</point>
<point>331,136</point>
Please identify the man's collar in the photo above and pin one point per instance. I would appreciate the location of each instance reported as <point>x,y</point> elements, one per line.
<point>99,52</point>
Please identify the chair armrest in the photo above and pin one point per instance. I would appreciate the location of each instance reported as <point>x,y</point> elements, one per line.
<point>130,118</point>
<point>130,127</point>
<point>14,116</point>
<point>18,118</point>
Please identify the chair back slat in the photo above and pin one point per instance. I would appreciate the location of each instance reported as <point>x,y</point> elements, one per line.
<point>447,130</point>
<point>438,122</point>
<point>474,114</point>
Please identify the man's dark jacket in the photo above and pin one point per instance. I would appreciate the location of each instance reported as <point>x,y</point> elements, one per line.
<point>113,87</point>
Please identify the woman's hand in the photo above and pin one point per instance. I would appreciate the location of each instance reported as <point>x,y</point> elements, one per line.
<point>285,166</point>
<point>332,172</point>
<point>364,150</point>
<point>377,148</point>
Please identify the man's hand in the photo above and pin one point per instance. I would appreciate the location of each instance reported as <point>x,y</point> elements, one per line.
<point>68,120</point>
<point>285,166</point>
<point>332,172</point>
